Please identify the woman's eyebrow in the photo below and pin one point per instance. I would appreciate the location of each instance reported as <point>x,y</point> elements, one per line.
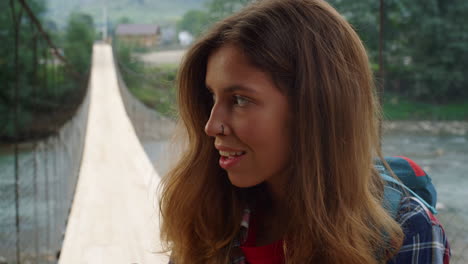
<point>235,88</point>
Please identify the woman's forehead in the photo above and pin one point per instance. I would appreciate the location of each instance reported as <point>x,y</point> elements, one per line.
<point>229,68</point>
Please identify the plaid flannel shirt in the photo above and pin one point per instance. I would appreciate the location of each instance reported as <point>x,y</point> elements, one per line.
<point>425,240</point>
<point>424,243</point>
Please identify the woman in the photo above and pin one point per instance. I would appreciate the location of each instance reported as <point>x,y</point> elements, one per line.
<point>281,117</point>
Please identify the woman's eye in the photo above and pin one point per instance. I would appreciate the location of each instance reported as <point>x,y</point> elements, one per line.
<point>240,100</point>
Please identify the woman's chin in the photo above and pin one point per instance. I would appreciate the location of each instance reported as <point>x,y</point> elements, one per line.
<point>241,181</point>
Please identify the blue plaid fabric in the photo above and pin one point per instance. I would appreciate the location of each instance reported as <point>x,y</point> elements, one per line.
<point>425,241</point>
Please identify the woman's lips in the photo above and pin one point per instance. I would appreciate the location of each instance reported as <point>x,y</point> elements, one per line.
<point>229,162</point>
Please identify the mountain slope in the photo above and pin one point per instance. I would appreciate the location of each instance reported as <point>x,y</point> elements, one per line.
<point>138,11</point>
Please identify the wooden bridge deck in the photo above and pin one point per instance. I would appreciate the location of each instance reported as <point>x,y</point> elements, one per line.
<point>114,217</point>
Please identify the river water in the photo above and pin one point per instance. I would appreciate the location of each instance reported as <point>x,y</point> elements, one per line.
<point>445,159</point>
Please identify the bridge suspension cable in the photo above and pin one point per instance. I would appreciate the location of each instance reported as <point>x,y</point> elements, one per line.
<point>44,172</point>
<point>46,37</point>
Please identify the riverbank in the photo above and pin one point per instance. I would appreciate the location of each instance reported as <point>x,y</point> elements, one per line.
<point>458,128</point>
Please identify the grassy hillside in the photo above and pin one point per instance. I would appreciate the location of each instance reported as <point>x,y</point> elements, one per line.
<point>138,11</point>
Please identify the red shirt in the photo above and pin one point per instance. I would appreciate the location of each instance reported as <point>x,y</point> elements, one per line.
<point>268,254</point>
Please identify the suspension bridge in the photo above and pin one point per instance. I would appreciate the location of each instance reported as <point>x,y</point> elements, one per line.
<point>76,185</point>
<point>114,217</point>
<point>87,194</point>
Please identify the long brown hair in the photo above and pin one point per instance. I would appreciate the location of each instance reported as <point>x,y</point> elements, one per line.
<point>335,194</point>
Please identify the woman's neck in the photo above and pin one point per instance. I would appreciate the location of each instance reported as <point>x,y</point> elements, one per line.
<point>276,187</point>
<point>272,219</point>
<point>271,227</point>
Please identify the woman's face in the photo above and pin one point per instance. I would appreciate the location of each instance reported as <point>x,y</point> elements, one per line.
<point>254,115</point>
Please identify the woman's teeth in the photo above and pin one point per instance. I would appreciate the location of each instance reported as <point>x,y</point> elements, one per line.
<point>230,154</point>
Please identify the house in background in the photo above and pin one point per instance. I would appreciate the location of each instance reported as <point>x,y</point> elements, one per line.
<point>185,38</point>
<point>143,35</point>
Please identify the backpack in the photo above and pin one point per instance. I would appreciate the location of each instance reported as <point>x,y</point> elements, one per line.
<point>413,181</point>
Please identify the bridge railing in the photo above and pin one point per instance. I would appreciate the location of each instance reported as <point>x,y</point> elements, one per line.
<point>43,117</point>
<point>36,197</point>
<point>149,125</point>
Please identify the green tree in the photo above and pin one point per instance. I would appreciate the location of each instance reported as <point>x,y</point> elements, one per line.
<point>14,23</point>
<point>425,44</point>
<point>431,48</point>
<point>42,91</point>
<point>219,9</point>
<point>79,38</point>
<point>124,20</point>
<point>194,21</point>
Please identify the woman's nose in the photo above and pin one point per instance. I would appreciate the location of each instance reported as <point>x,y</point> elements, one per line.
<point>215,125</point>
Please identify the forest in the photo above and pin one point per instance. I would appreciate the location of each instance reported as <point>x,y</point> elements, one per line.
<point>43,70</point>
